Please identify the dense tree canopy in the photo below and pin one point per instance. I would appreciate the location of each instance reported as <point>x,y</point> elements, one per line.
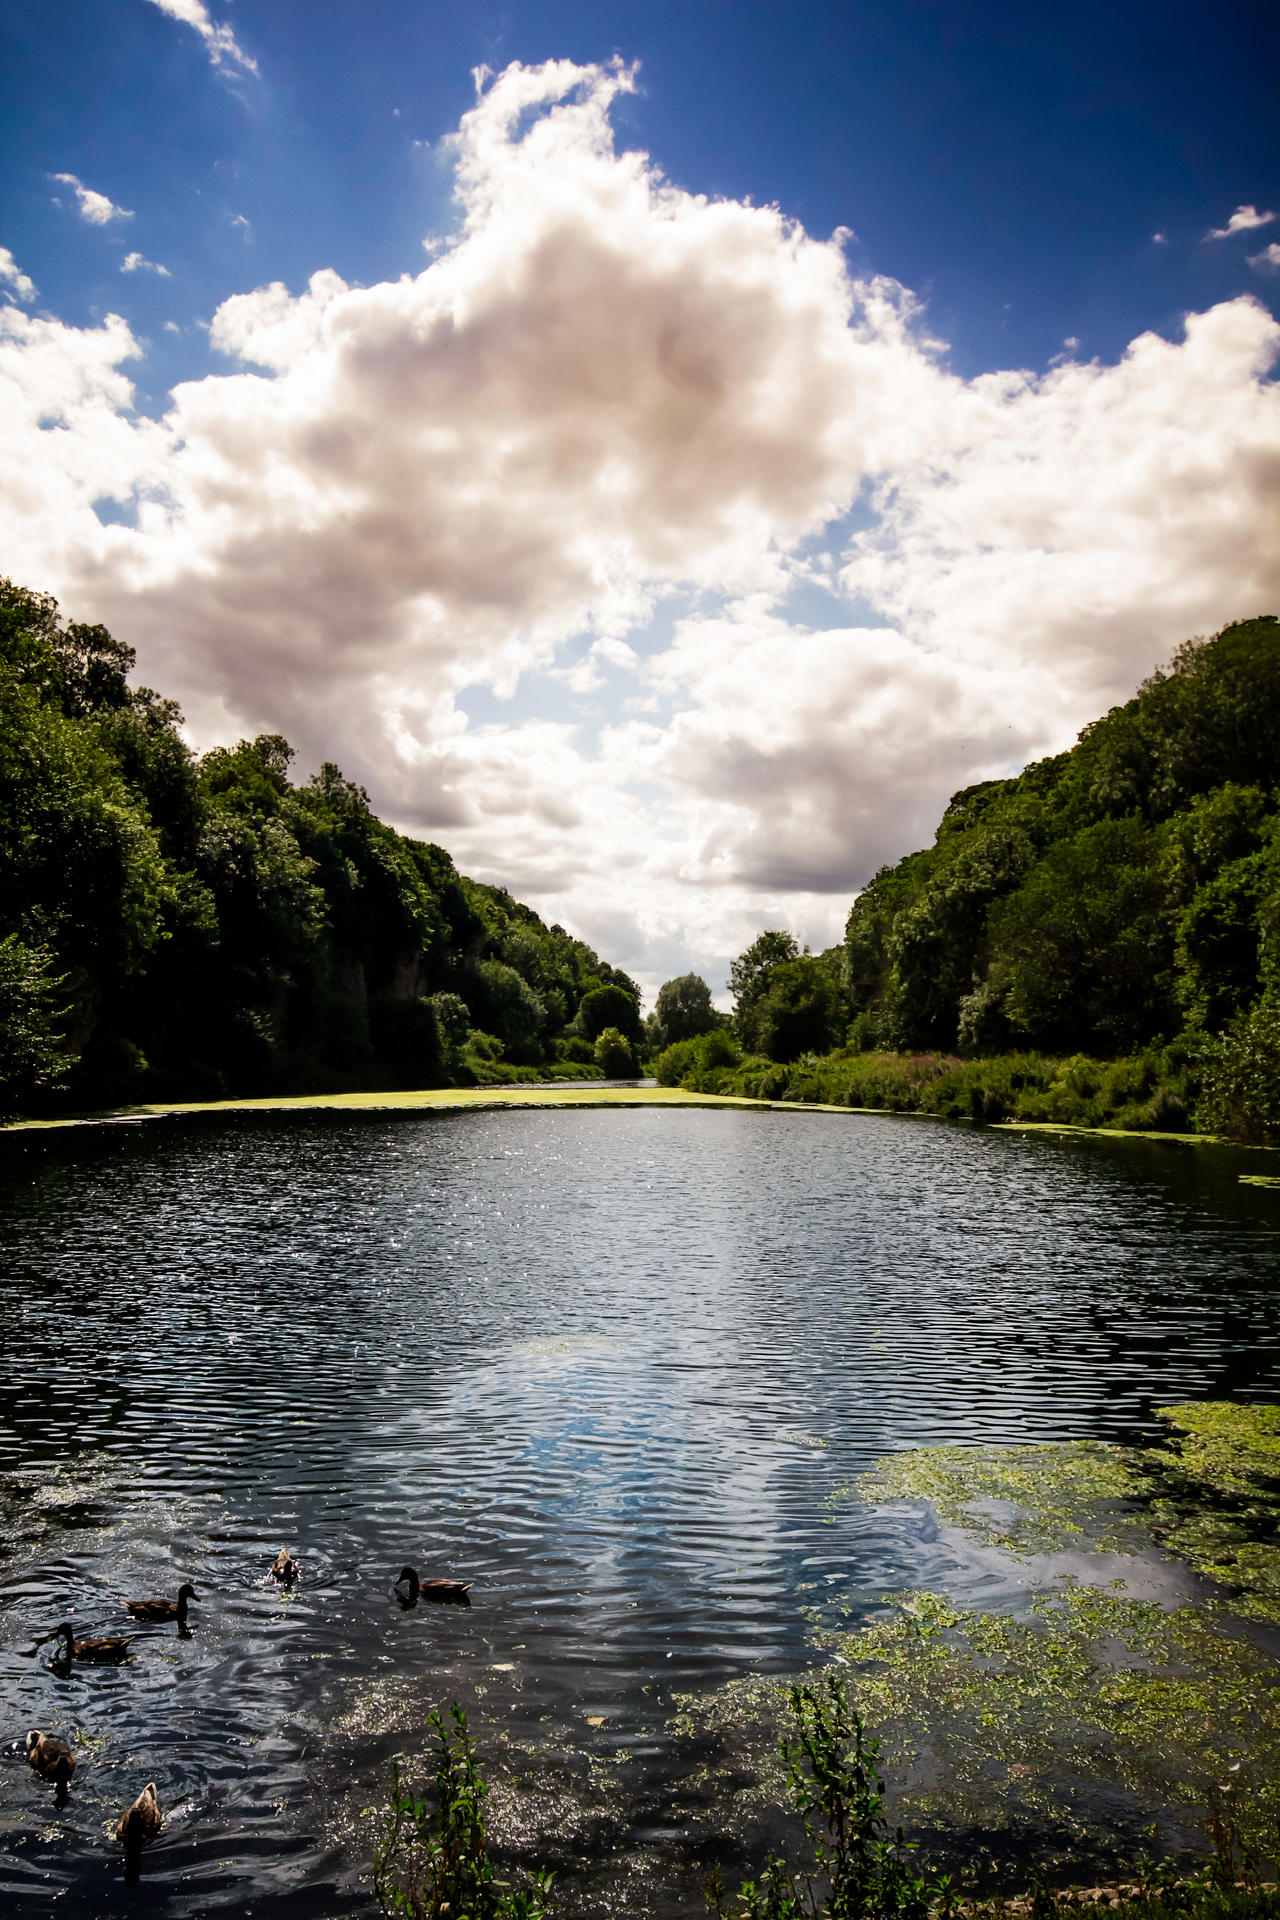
<point>173,926</point>
<point>683,1010</point>
<point>1127,889</point>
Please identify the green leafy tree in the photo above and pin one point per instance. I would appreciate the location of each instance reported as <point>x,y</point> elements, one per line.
<point>610,1006</point>
<point>749,977</point>
<point>1240,1078</point>
<point>33,1057</point>
<point>799,1011</point>
<point>615,1056</point>
<point>684,1009</point>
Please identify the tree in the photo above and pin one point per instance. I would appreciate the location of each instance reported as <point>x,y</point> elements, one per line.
<point>799,1010</point>
<point>684,1009</point>
<point>749,976</point>
<point>615,1055</point>
<point>33,1058</point>
<point>610,1006</point>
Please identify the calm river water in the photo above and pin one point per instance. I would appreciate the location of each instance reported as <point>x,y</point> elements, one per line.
<point>609,1366</point>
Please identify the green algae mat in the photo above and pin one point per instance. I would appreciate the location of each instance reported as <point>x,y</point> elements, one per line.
<point>445,1100</point>
<point>1086,1721</point>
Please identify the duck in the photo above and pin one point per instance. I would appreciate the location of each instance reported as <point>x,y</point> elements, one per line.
<point>285,1568</point>
<point>164,1609</point>
<point>52,1759</point>
<point>140,1822</point>
<point>105,1652</point>
<point>454,1590</point>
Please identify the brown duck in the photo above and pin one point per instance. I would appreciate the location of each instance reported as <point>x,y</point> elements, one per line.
<point>140,1822</point>
<point>455,1590</point>
<point>52,1759</point>
<point>285,1568</point>
<point>164,1609</point>
<point>108,1651</point>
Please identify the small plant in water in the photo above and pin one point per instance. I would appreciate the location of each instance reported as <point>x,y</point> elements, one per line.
<point>434,1859</point>
<point>856,1869</point>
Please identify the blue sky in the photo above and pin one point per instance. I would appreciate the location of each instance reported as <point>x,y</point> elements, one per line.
<point>725,709</point>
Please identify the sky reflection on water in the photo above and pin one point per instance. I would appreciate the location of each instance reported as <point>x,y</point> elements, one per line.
<point>608,1366</point>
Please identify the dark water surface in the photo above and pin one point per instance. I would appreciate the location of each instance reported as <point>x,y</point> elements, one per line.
<point>609,1366</point>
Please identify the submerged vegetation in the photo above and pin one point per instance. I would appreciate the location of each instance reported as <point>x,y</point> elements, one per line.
<point>1092,1721</point>
<point>1022,1748</point>
<point>180,928</point>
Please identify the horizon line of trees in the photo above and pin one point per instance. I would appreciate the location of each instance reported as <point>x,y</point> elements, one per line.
<point>183,927</point>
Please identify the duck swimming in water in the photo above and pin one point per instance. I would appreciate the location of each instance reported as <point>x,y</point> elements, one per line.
<point>108,1651</point>
<point>52,1759</point>
<point>140,1822</point>
<point>164,1609</point>
<point>447,1590</point>
<point>285,1568</point>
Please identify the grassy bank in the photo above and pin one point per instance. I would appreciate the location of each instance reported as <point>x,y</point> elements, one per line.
<point>1149,1092</point>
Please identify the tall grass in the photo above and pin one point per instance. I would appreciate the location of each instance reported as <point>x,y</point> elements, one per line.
<point>1151,1091</point>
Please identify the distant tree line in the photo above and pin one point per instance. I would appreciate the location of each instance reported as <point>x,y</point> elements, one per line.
<point>180,927</point>
<point>1119,896</point>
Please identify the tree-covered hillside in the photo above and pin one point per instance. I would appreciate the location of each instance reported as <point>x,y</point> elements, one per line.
<point>1095,941</point>
<point>1127,889</point>
<point>174,927</point>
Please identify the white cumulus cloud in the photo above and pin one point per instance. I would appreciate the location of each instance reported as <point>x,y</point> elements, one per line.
<point>134,263</point>
<point>1243,220</point>
<point>1268,261</point>
<point>588,463</point>
<point>94,208</point>
<point>13,279</point>
<point>220,42</point>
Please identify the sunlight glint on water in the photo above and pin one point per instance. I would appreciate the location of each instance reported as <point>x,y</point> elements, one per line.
<point>608,1366</point>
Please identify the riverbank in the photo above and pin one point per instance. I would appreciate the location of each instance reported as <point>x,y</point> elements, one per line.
<point>1160,1091</point>
<point>585,1094</point>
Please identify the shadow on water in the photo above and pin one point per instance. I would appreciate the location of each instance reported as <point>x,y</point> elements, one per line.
<point>609,1367</point>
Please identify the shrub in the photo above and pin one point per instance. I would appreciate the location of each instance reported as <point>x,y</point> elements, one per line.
<point>32,1056</point>
<point>436,1861</point>
<point>615,1056</point>
<point>1241,1078</point>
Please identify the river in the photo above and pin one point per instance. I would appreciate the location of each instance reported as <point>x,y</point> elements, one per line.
<point>609,1367</point>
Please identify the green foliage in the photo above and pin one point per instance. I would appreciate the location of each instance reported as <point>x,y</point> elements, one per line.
<point>683,1010</point>
<point>32,1055</point>
<point>749,976</point>
<point>799,1010</point>
<point>864,1873</point>
<point>610,1006</point>
<point>433,1859</point>
<point>703,1064</point>
<point>223,930</point>
<point>615,1056</point>
<point>1152,1091</point>
<point>1101,898</point>
<point>1241,1092</point>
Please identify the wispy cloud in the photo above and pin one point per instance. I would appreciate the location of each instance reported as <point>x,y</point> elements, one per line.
<point>1268,261</point>
<point>13,279</point>
<point>242,226</point>
<point>220,43</point>
<point>134,263</point>
<point>94,207</point>
<point>1243,220</point>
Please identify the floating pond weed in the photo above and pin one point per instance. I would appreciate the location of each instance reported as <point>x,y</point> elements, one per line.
<point>1024,1500</point>
<point>1091,1716</point>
